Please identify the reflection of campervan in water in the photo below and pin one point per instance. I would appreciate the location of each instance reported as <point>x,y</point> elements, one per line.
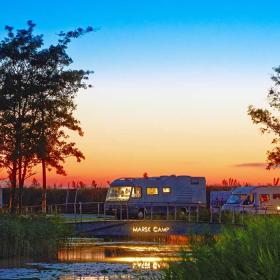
<point>254,199</point>
<point>138,194</point>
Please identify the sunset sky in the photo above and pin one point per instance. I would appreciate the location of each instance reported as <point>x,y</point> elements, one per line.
<point>172,83</point>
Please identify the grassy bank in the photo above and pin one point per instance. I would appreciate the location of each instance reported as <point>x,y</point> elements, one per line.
<point>251,252</point>
<point>31,236</point>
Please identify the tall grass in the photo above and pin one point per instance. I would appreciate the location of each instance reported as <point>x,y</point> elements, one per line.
<point>31,236</point>
<point>249,252</point>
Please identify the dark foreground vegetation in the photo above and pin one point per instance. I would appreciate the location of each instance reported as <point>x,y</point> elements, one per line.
<point>33,196</point>
<point>249,252</point>
<point>31,236</point>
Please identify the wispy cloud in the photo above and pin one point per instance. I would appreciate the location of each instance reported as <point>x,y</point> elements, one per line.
<point>251,165</point>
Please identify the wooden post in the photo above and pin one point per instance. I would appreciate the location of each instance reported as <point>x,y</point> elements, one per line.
<point>98,209</point>
<point>127,214</point>
<point>75,202</point>
<point>189,214</point>
<point>167,212</point>
<point>67,199</point>
<point>197,214</point>
<point>151,212</point>
<point>175,213</point>
<point>75,212</point>
<point>121,212</point>
<point>81,211</point>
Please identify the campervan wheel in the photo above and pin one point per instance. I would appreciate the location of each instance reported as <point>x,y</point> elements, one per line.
<point>141,213</point>
<point>183,213</point>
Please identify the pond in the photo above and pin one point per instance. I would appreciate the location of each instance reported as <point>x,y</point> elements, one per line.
<point>99,259</point>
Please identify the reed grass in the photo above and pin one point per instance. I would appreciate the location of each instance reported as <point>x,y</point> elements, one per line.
<point>249,252</point>
<point>31,236</point>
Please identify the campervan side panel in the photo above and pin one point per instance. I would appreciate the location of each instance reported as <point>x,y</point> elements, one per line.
<point>183,189</point>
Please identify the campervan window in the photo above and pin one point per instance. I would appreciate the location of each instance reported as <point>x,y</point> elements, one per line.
<point>264,197</point>
<point>249,200</point>
<point>236,198</point>
<point>119,193</point>
<point>136,192</point>
<point>166,190</point>
<point>152,191</point>
<point>276,196</point>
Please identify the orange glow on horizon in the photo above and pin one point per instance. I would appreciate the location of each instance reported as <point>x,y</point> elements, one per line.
<point>164,134</point>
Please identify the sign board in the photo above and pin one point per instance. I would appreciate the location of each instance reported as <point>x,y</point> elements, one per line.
<point>150,229</point>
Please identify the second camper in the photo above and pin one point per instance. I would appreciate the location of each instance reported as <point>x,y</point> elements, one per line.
<point>254,199</point>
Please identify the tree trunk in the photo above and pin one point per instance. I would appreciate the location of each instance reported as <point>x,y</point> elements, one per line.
<point>13,179</point>
<point>44,186</point>
<point>20,192</point>
<point>20,185</point>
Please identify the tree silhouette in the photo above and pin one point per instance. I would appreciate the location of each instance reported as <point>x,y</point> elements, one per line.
<point>16,110</point>
<point>37,91</point>
<point>56,105</point>
<point>270,120</point>
<point>93,184</point>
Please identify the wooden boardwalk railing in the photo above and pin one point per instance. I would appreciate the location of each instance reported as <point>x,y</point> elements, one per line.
<point>83,211</point>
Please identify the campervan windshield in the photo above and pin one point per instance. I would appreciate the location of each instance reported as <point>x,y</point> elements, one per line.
<point>119,193</point>
<point>236,198</point>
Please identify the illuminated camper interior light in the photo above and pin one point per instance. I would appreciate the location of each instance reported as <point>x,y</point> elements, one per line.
<point>119,193</point>
<point>278,208</point>
<point>152,191</point>
<point>166,190</point>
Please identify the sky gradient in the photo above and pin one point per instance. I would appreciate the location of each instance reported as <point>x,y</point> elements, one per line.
<point>172,83</point>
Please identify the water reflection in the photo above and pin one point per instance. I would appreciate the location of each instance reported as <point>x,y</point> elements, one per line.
<point>86,259</point>
<point>138,254</point>
<point>112,277</point>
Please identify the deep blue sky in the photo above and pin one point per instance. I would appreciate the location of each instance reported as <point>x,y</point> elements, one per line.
<point>161,32</point>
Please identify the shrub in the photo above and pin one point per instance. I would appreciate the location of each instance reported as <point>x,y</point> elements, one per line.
<point>31,236</point>
<point>249,252</point>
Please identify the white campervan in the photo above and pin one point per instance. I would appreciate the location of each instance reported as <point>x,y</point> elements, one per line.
<point>252,199</point>
<point>140,194</point>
